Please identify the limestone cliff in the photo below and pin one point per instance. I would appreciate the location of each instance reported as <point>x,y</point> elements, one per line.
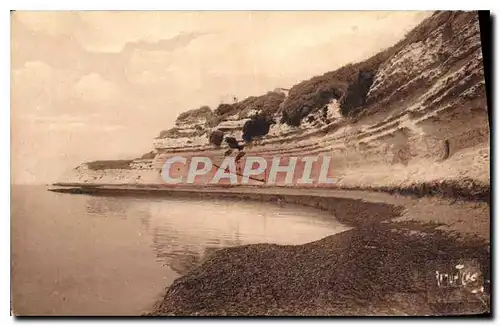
<point>413,114</point>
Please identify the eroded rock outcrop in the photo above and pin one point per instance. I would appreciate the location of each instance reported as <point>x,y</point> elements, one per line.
<point>413,114</point>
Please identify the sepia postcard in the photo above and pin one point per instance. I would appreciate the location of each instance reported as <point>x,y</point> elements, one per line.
<point>250,163</point>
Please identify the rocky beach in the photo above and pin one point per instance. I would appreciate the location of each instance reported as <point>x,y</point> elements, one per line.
<point>409,135</point>
<point>383,265</point>
<point>379,269</point>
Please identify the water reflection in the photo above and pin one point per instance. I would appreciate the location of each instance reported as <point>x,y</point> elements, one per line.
<point>184,231</point>
<point>107,205</point>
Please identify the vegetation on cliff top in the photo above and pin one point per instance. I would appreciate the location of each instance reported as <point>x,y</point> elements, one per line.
<point>109,164</point>
<point>196,114</point>
<point>349,85</point>
<point>267,104</point>
<point>148,156</point>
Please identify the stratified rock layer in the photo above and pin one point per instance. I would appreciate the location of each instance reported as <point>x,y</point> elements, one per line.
<point>420,117</point>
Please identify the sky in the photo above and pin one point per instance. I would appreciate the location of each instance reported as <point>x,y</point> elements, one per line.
<point>89,85</point>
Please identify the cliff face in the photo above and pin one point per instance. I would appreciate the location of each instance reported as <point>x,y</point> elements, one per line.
<point>415,113</point>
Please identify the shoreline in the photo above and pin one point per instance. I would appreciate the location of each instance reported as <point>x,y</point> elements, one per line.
<point>380,270</point>
<point>378,267</point>
<point>465,189</point>
<point>350,206</point>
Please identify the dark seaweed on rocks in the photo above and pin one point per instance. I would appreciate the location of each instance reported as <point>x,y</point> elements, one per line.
<point>464,189</point>
<point>109,164</point>
<point>380,269</point>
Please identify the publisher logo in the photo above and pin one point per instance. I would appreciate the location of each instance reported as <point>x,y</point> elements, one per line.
<point>453,281</point>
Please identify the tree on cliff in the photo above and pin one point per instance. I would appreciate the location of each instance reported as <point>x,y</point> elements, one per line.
<point>256,127</point>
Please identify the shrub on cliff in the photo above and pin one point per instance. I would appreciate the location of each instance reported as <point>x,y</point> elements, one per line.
<point>308,96</point>
<point>348,84</point>
<point>225,109</point>
<point>189,117</point>
<point>195,114</point>
<point>351,83</point>
<point>257,126</point>
<point>148,156</point>
<point>109,164</point>
<point>267,104</point>
<point>170,133</point>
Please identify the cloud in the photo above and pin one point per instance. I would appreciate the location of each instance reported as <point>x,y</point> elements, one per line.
<point>58,118</point>
<point>71,126</point>
<point>177,42</point>
<point>111,127</point>
<point>51,23</point>
<point>66,125</point>
<point>36,86</point>
<point>35,76</point>
<point>94,88</point>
